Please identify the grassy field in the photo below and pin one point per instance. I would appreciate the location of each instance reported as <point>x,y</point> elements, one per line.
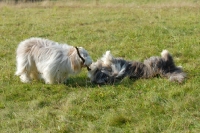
<point>132,30</point>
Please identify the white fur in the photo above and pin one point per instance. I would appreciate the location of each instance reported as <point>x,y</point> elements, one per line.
<point>39,58</point>
<point>107,58</point>
<point>164,53</point>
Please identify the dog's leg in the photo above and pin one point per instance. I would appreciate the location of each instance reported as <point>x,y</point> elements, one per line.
<point>25,77</point>
<point>35,75</point>
<point>34,71</point>
<point>64,79</point>
<point>49,79</point>
<point>22,65</point>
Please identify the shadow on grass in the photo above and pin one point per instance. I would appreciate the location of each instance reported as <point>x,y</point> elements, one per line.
<point>77,82</point>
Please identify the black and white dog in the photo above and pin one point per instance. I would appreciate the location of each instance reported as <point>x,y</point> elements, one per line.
<point>109,69</point>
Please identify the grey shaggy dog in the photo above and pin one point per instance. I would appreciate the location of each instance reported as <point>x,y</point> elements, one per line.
<point>109,70</point>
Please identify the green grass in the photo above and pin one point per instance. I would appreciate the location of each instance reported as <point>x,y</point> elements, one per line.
<point>132,30</point>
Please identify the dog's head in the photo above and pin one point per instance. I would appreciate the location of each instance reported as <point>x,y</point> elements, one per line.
<point>107,69</point>
<point>84,57</point>
<point>79,58</point>
<point>104,62</point>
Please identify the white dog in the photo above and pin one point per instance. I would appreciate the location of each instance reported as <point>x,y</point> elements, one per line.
<point>39,58</point>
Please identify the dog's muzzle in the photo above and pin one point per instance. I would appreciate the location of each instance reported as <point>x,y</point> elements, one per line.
<point>88,68</point>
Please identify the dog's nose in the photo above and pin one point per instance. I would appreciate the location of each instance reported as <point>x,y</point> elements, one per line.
<point>88,68</point>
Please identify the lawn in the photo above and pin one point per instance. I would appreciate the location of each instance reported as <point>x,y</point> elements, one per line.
<point>134,30</point>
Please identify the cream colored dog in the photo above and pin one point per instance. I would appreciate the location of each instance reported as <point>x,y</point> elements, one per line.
<point>39,58</point>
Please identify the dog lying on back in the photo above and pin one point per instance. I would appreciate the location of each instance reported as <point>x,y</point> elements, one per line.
<point>109,69</point>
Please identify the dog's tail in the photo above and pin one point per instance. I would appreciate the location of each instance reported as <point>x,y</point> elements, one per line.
<point>170,70</point>
<point>177,75</point>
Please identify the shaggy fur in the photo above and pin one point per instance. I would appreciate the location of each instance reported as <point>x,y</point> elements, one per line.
<point>108,69</point>
<point>39,58</point>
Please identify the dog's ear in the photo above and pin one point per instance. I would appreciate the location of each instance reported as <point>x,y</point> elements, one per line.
<point>71,51</point>
<point>75,64</point>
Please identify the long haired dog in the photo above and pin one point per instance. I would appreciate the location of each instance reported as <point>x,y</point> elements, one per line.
<point>39,58</point>
<point>108,69</point>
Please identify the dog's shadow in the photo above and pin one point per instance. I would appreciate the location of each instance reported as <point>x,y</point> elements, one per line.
<point>77,82</point>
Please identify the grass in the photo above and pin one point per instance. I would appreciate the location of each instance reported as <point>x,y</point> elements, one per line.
<point>132,30</point>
